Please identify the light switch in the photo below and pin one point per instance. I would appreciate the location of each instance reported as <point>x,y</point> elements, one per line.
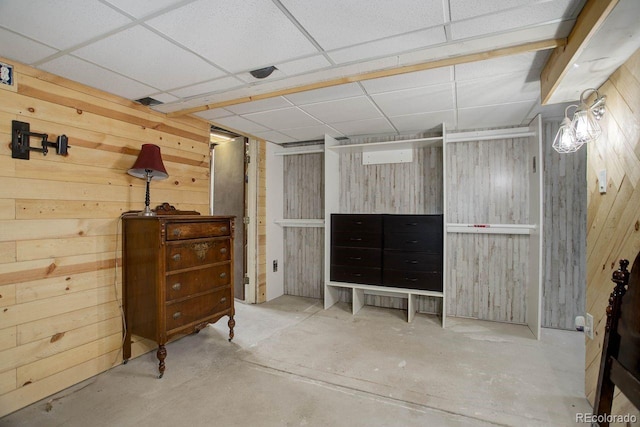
<point>602,181</point>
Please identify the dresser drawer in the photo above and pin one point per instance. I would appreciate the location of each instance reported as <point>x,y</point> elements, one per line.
<point>412,223</point>
<point>412,261</point>
<point>423,280</point>
<point>364,275</point>
<point>419,242</point>
<point>195,230</point>
<point>357,239</point>
<point>360,257</point>
<point>182,285</point>
<point>356,223</point>
<point>191,254</point>
<point>196,309</point>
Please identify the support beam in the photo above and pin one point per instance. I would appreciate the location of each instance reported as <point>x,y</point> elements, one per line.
<point>589,20</point>
<point>438,63</point>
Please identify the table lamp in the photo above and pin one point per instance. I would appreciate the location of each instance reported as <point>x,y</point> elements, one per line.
<point>148,166</point>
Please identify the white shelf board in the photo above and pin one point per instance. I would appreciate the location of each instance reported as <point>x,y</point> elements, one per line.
<point>389,145</point>
<point>485,135</point>
<point>491,228</point>
<point>310,149</point>
<point>319,223</point>
<point>386,290</point>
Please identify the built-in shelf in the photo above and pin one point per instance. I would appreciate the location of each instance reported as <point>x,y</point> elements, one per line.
<point>485,135</point>
<point>491,228</point>
<point>389,145</point>
<point>309,149</point>
<point>318,223</point>
<point>360,290</point>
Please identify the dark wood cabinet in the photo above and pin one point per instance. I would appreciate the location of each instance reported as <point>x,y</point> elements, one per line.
<point>402,251</point>
<point>178,276</point>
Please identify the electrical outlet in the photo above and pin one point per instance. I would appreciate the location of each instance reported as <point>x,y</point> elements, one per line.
<point>588,326</point>
<point>275,265</point>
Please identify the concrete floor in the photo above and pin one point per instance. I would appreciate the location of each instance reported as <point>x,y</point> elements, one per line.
<point>294,364</point>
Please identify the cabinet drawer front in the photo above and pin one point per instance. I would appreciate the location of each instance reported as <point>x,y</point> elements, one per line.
<point>196,309</point>
<point>357,239</point>
<point>418,242</point>
<point>412,223</point>
<point>426,281</point>
<point>356,223</point>
<point>357,257</point>
<point>192,282</point>
<point>412,261</point>
<point>363,275</point>
<point>195,230</point>
<point>185,255</point>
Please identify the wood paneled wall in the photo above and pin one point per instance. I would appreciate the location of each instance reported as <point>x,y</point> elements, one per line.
<point>613,219</point>
<point>60,291</point>
<point>565,225</point>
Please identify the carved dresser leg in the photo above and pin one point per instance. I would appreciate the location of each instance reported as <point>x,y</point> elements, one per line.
<point>162,354</point>
<point>231,324</point>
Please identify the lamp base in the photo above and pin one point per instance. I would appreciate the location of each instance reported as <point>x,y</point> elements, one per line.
<point>146,212</point>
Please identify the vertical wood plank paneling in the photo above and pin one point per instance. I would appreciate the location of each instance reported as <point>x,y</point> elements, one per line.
<point>613,219</point>
<point>565,224</point>
<point>304,186</point>
<point>60,225</point>
<point>303,260</point>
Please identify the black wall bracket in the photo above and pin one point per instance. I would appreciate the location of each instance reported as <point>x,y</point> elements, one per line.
<point>20,142</point>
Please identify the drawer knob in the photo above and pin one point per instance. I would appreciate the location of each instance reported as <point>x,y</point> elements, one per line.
<point>223,274</point>
<point>176,257</point>
<point>357,274</point>
<point>412,224</point>
<point>177,232</point>
<point>355,258</point>
<point>410,279</point>
<point>176,315</point>
<point>412,241</point>
<point>223,250</point>
<point>176,286</point>
<point>223,229</point>
<point>356,239</point>
<point>358,222</point>
<point>223,300</point>
<point>410,261</point>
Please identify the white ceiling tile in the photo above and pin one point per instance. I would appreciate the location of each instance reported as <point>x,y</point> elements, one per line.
<point>312,133</point>
<point>538,13</point>
<point>273,136</point>
<point>419,100</point>
<point>494,115</point>
<point>22,49</point>
<point>134,52</point>
<point>260,105</point>
<point>365,127</point>
<point>496,90</point>
<point>390,46</point>
<point>163,97</point>
<point>142,8</point>
<point>530,63</point>
<point>82,20</point>
<point>240,123</point>
<point>84,72</point>
<point>236,35</point>
<point>212,86</point>
<point>409,80</point>
<point>304,65</point>
<point>285,118</point>
<point>342,110</point>
<point>325,94</point>
<point>216,113</point>
<point>463,9</point>
<point>423,121</point>
<point>337,23</point>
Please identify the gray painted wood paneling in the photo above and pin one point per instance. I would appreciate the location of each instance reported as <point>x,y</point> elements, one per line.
<point>565,227</point>
<point>488,276</point>
<point>304,186</point>
<point>303,262</point>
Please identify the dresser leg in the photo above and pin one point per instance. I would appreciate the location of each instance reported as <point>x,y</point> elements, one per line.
<point>231,324</point>
<point>162,354</point>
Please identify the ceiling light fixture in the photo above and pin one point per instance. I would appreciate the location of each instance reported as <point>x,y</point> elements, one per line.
<point>583,127</point>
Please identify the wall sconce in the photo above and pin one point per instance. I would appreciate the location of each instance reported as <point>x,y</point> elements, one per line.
<point>583,128</point>
<point>20,143</point>
<point>148,166</point>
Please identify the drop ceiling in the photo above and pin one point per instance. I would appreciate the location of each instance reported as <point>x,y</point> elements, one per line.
<point>191,53</point>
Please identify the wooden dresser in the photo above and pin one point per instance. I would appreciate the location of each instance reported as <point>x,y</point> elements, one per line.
<point>178,276</point>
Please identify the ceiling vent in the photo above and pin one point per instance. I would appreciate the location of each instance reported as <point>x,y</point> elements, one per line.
<point>148,101</point>
<point>263,72</point>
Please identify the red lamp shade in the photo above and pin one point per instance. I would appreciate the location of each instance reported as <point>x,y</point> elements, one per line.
<point>149,164</point>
